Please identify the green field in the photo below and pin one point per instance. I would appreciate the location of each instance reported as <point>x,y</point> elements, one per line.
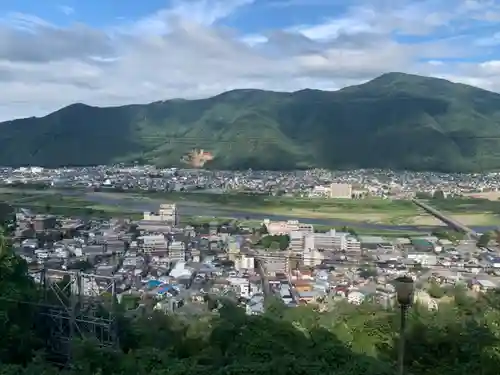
<point>469,211</point>
<point>380,211</point>
<point>352,211</point>
<point>58,204</point>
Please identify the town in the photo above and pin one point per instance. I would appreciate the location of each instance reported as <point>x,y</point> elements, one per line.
<point>311,183</point>
<point>158,263</point>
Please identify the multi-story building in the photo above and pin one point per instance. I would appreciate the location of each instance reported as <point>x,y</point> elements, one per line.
<point>244,262</point>
<point>297,242</point>
<point>167,213</point>
<point>276,262</point>
<point>331,240</point>
<point>177,251</point>
<point>312,257</point>
<point>286,227</point>
<point>153,243</point>
<point>340,191</point>
<point>41,223</point>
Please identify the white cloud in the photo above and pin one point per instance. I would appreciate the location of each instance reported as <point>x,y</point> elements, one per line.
<point>186,51</point>
<point>67,10</point>
<point>202,12</point>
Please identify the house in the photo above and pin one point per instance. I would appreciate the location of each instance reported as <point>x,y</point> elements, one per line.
<point>482,285</point>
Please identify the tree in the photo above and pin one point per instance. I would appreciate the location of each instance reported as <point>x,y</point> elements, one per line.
<point>368,272</point>
<point>422,195</point>
<point>484,239</point>
<point>435,290</point>
<point>461,337</point>
<point>281,242</point>
<point>438,194</point>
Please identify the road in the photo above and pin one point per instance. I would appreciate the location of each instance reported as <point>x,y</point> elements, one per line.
<point>446,219</point>
<point>265,281</point>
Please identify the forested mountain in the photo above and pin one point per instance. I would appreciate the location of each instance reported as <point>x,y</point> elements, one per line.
<point>394,121</point>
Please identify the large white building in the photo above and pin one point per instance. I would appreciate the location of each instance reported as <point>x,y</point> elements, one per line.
<point>177,251</point>
<point>340,191</point>
<point>167,213</point>
<point>244,262</point>
<point>333,190</point>
<point>331,240</point>
<point>156,242</point>
<point>286,227</point>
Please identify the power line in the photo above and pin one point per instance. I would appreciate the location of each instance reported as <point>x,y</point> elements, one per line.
<point>179,138</point>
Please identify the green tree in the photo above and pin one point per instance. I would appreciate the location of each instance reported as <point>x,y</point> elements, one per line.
<point>422,195</point>
<point>438,194</point>
<point>484,239</point>
<point>435,290</point>
<point>274,246</point>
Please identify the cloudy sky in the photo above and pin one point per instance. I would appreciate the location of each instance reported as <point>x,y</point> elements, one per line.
<point>112,52</point>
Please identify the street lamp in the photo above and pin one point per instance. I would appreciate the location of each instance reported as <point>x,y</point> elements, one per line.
<point>404,292</point>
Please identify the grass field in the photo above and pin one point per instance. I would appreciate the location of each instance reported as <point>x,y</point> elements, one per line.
<point>469,211</point>
<point>55,203</point>
<point>366,210</point>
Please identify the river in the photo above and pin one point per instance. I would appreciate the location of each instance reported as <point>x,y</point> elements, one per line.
<point>197,209</point>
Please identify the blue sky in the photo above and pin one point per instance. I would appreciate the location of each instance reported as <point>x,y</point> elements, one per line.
<point>111,52</point>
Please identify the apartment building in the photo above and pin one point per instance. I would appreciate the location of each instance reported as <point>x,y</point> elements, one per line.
<point>276,262</point>
<point>44,222</point>
<point>312,257</point>
<point>331,240</point>
<point>152,243</point>
<point>286,227</point>
<point>244,262</point>
<point>177,251</point>
<point>340,191</point>
<point>297,241</point>
<point>167,213</point>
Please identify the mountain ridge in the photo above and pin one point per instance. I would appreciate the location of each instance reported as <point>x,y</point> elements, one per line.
<point>396,120</point>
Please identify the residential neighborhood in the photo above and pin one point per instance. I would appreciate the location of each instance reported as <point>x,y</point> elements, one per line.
<point>161,264</point>
<point>351,184</point>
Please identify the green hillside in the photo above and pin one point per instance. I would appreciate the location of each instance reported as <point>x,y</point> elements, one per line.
<point>394,121</point>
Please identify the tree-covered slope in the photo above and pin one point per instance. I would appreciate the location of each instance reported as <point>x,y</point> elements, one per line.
<point>396,120</point>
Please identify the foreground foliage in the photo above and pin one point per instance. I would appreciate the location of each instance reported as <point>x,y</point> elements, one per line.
<point>395,121</point>
<point>463,337</point>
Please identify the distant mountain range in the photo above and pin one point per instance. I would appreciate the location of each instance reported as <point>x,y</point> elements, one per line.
<point>396,121</point>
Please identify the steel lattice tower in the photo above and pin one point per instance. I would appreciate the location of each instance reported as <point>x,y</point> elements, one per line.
<point>76,306</point>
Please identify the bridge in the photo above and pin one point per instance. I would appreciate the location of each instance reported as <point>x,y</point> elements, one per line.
<point>456,225</point>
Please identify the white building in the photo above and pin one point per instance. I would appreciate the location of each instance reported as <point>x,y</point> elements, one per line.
<point>331,240</point>
<point>177,251</point>
<point>167,213</point>
<point>313,257</point>
<point>341,191</point>
<point>286,227</point>
<point>244,262</point>
<point>153,242</point>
